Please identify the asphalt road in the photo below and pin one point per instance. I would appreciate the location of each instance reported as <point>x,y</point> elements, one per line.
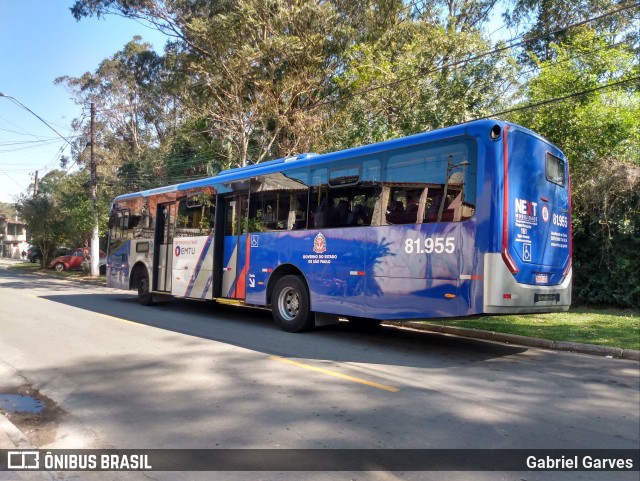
<point>198,375</point>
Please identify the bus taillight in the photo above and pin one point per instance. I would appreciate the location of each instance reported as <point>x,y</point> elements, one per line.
<point>505,207</point>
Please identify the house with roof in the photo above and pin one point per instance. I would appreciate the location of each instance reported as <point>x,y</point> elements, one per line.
<point>13,237</point>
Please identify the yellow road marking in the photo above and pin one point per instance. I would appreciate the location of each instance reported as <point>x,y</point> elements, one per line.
<point>120,319</point>
<point>335,374</point>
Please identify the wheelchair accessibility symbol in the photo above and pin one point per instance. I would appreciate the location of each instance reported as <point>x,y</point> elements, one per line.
<point>254,241</point>
<point>526,252</point>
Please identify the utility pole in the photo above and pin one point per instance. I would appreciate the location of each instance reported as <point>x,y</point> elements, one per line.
<point>95,246</point>
<point>35,186</point>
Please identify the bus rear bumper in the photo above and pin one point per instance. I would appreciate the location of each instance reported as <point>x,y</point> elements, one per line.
<point>504,295</point>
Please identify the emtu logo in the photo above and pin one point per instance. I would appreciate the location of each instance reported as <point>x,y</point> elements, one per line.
<point>185,250</point>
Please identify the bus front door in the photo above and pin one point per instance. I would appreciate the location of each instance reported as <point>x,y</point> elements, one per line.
<point>163,247</point>
<point>235,258</point>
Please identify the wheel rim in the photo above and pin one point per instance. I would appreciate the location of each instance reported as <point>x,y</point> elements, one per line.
<point>59,267</point>
<point>289,303</point>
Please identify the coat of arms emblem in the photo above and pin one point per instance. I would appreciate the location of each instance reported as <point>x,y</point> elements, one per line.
<point>319,244</point>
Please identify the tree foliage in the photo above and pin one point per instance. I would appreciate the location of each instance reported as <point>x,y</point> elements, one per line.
<point>545,21</point>
<point>45,221</point>
<point>7,209</point>
<point>416,76</point>
<point>62,212</point>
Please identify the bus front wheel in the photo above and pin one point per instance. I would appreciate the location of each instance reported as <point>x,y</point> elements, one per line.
<point>144,292</point>
<point>290,305</point>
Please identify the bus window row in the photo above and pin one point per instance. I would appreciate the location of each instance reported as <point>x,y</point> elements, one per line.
<point>435,182</point>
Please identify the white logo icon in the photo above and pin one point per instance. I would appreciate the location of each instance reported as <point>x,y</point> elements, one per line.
<point>23,460</point>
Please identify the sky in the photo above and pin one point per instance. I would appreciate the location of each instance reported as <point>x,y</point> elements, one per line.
<point>39,42</point>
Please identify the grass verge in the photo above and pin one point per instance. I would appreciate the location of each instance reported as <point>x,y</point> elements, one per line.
<point>72,275</point>
<point>604,327</point>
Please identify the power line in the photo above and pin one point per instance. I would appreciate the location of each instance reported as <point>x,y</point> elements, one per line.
<point>20,104</point>
<point>47,140</point>
<point>559,99</point>
<point>14,181</point>
<point>148,180</point>
<point>482,55</point>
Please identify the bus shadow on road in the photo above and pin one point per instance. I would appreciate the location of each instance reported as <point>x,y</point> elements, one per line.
<point>254,329</point>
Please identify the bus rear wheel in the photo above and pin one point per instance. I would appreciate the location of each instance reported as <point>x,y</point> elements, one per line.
<point>290,305</point>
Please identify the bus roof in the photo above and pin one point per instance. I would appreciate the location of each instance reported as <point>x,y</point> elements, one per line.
<point>309,159</point>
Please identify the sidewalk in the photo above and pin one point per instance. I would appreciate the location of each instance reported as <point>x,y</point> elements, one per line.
<point>12,438</point>
<point>7,261</point>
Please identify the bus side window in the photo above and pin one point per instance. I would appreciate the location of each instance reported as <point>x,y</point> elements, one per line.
<point>346,194</point>
<point>297,215</point>
<point>431,183</point>
<point>405,205</point>
<point>281,210</point>
<point>318,207</point>
<point>278,201</point>
<point>346,207</point>
<point>119,224</point>
<point>195,216</point>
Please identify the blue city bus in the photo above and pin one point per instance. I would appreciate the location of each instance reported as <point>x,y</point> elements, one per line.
<point>466,220</point>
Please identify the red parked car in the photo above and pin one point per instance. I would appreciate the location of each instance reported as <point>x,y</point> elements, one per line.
<point>73,260</point>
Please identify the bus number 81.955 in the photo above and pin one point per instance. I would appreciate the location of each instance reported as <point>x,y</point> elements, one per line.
<point>430,245</point>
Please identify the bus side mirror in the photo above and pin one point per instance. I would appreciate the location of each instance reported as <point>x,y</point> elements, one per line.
<point>112,221</point>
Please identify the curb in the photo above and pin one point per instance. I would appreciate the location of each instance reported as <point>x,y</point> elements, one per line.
<point>594,350</point>
<point>96,281</point>
<point>13,434</point>
<point>11,438</point>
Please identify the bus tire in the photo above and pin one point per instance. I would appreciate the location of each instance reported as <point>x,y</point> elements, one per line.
<point>290,305</point>
<point>144,292</point>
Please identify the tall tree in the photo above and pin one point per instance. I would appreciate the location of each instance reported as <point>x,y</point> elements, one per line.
<point>544,22</point>
<point>427,70</point>
<point>43,217</point>
<point>257,67</point>
<point>136,113</point>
